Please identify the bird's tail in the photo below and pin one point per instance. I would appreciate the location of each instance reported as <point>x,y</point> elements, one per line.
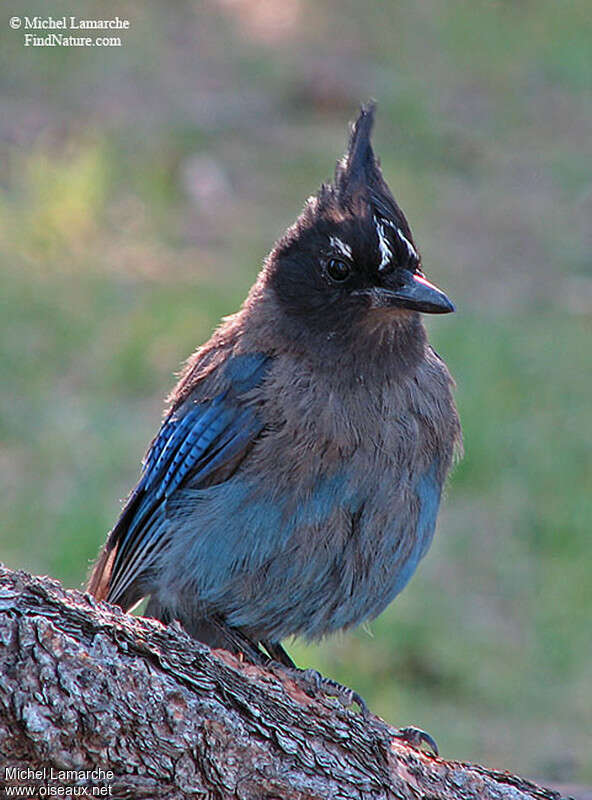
<point>101,576</point>
<point>99,580</point>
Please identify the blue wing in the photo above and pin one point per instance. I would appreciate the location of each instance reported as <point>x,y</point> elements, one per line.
<point>203,445</point>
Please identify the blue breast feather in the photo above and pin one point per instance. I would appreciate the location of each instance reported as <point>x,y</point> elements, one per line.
<point>239,552</point>
<point>428,491</point>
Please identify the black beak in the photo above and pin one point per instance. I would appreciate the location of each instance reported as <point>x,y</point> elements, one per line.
<point>417,293</point>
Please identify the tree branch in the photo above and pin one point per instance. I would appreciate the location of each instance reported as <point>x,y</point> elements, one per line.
<point>84,687</point>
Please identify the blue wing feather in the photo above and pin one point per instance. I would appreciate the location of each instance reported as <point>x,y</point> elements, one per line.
<point>213,434</point>
<point>208,423</point>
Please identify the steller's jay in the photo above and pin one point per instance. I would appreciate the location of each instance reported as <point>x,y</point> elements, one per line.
<point>294,484</point>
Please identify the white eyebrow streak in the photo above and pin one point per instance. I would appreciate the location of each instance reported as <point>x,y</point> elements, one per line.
<point>343,248</point>
<point>386,254</point>
<point>410,249</point>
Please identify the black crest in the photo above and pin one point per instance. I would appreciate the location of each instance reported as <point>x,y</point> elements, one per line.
<point>359,189</point>
<point>359,170</point>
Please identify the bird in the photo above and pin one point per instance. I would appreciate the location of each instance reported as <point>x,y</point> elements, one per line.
<point>295,481</point>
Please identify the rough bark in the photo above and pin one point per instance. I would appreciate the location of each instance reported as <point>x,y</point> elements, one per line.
<point>84,686</point>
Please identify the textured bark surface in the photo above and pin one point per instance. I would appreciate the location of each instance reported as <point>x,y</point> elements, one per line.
<point>84,686</point>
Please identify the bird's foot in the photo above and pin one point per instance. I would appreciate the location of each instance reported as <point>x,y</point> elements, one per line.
<point>416,738</point>
<point>346,696</point>
<point>313,683</point>
<point>311,680</point>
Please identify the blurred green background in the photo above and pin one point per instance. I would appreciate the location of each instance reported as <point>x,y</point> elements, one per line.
<point>141,188</point>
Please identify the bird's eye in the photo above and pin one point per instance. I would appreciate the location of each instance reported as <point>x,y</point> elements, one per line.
<point>338,270</point>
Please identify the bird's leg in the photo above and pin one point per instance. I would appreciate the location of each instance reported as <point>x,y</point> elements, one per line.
<point>277,653</point>
<point>238,642</point>
<point>311,679</point>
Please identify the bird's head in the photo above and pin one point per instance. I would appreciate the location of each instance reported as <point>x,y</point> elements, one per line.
<point>350,256</point>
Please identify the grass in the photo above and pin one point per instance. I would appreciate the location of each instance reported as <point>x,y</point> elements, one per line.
<point>118,257</point>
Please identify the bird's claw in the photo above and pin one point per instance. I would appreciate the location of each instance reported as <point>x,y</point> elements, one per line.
<point>346,696</point>
<point>314,683</point>
<point>416,737</point>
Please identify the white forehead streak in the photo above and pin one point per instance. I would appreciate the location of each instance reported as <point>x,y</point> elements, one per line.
<point>383,245</point>
<point>343,248</point>
<point>410,249</point>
